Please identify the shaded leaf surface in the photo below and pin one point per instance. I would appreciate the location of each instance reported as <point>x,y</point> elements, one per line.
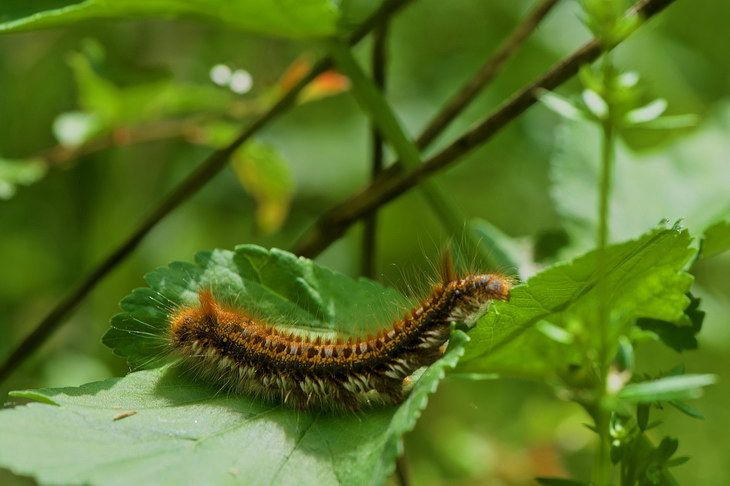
<point>293,18</point>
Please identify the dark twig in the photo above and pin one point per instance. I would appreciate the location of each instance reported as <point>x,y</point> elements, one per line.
<point>393,182</point>
<point>486,74</point>
<point>189,186</point>
<point>379,60</point>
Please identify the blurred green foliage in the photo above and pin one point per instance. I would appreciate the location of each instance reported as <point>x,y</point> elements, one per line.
<point>59,90</point>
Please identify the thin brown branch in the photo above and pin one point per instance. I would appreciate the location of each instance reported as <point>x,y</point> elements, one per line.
<point>486,73</point>
<point>394,182</point>
<point>379,61</point>
<point>189,186</point>
<point>186,128</point>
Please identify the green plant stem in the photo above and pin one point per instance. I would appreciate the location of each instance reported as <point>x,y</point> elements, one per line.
<point>602,472</point>
<point>379,62</point>
<point>383,116</point>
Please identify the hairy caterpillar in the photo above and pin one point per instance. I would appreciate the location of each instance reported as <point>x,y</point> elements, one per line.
<point>252,357</point>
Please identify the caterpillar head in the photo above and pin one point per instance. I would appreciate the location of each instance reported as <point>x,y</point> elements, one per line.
<point>473,293</point>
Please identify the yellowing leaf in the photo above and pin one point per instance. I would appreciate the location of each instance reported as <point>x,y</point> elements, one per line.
<point>265,176</point>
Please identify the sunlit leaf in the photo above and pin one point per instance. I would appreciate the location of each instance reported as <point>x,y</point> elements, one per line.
<point>716,239</point>
<point>647,113</point>
<point>74,128</point>
<point>265,175</point>
<point>19,172</point>
<point>645,279</point>
<point>668,388</point>
<point>595,103</point>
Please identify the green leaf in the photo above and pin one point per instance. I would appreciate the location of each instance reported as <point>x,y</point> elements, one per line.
<point>716,239</point>
<point>642,415</point>
<point>686,409</point>
<point>122,431</point>
<point>19,172</point>
<point>645,279</point>
<point>265,175</point>
<point>680,335</point>
<point>290,18</point>
<point>690,182</point>
<point>668,388</point>
<point>647,113</point>
<point>156,427</point>
<point>595,103</point>
<point>673,122</point>
<point>271,283</point>
<point>111,106</point>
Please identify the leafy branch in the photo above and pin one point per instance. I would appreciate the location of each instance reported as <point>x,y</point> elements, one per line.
<point>395,180</point>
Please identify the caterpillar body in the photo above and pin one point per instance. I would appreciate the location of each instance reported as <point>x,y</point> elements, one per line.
<point>254,358</point>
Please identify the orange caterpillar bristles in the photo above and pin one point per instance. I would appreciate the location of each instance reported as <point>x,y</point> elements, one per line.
<point>254,358</point>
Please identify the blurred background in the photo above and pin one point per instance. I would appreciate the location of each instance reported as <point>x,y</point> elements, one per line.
<point>63,209</point>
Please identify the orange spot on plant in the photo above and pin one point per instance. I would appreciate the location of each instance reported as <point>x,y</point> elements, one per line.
<point>329,83</point>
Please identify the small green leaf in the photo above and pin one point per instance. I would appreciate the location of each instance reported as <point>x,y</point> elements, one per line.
<point>680,335</point>
<point>686,409</point>
<point>595,103</point>
<point>74,128</point>
<point>677,461</point>
<point>291,18</point>
<point>716,239</point>
<point>265,175</point>
<point>561,106</point>
<point>557,334</point>
<point>628,79</point>
<point>19,172</point>
<point>625,356</point>
<point>672,122</point>
<point>666,449</point>
<point>668,388</point>
<point>647,113</point>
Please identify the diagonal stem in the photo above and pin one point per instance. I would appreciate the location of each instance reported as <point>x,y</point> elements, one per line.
<point>394,181</point>
<point>181,193</point>
<point>486,73</point>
